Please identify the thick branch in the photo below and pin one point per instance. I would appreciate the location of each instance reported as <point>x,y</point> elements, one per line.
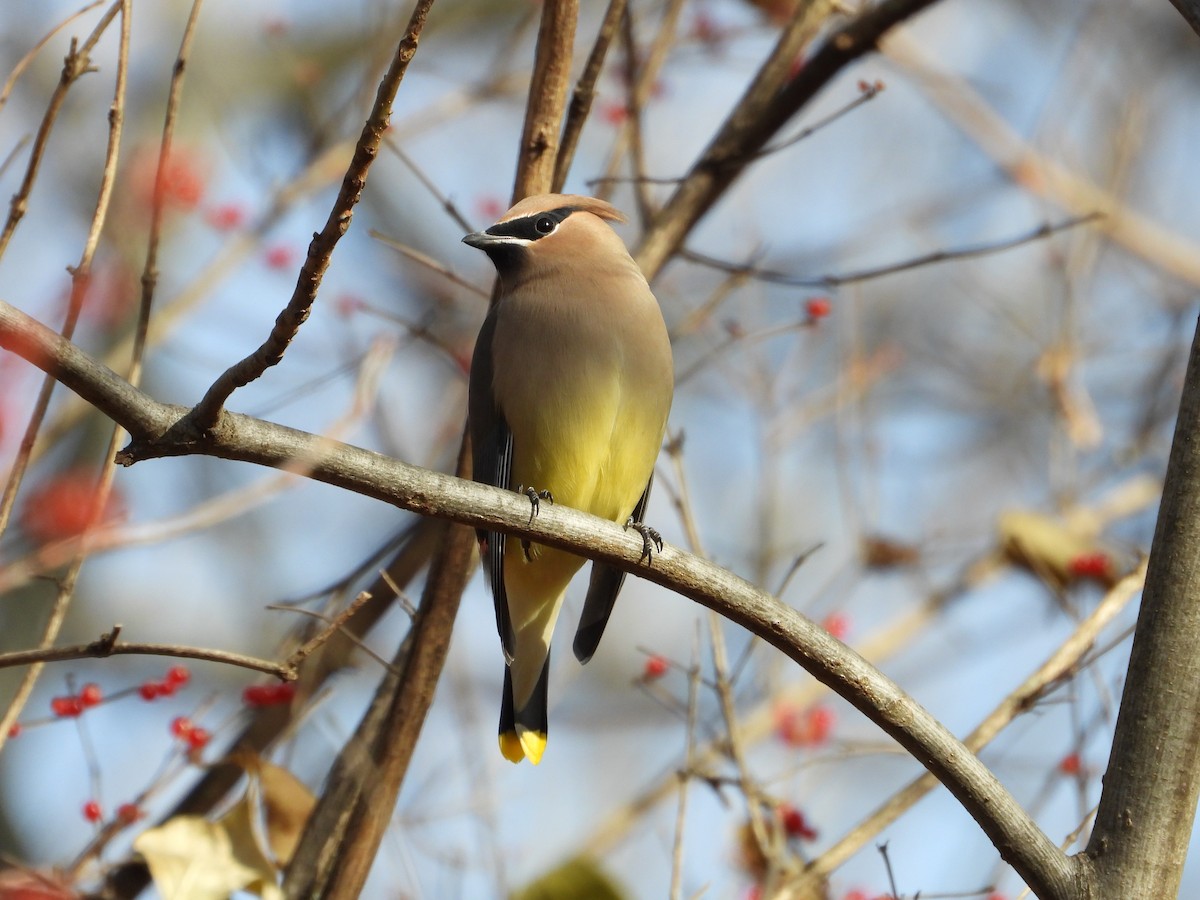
<point>767,105</point>
<point>242,438</point>
<point>1144,822</point>
<point>1190,10</point>
<point>547,99</point>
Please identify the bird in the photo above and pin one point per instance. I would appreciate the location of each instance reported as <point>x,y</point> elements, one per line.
<point>570,388</point>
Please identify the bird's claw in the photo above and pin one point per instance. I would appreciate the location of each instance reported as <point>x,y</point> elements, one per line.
<point>651,539</point>
<point>535,497</point>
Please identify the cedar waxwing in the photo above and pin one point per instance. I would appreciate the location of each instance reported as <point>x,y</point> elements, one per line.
<point>571,383</point>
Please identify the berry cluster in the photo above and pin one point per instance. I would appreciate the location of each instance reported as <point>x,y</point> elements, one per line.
<point>269,694</point>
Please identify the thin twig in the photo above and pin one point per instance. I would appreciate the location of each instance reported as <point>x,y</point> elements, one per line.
<point>426,182</point>
<point>80,276</point>
<point>1062,663</point>
<point>1039,175</point>
<point>347,634</point>
<point>335,624</point>
<point>584,94</point>
<point>428,262</point>
<point>685,780</point>
<point>76,64</point>
<point>772,98</point>
<point>24,62</point>
<point>320,249</point>
<point>1046,229</point>
<point>639,90</point>
<point>867,93</point>
<point>109,645</point>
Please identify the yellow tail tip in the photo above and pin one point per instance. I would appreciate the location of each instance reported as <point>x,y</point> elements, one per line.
<point>510,746</point>
<point>516,746</point>
<point>534,745</point>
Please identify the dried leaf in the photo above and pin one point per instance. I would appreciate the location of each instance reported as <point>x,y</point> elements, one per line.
<point>287,803</point>
<point>191,858</point>
<point>247,848</point>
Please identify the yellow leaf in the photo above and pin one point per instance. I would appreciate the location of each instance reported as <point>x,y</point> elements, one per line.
<point>287,803</point>
<point>247,848</point>
<point>191,858</point>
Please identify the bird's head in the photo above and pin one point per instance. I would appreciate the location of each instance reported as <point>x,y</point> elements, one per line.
<point>551,230</point>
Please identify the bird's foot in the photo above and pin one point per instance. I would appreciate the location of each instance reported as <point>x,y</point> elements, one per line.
<point>650,539</point>
<point>535,497</point>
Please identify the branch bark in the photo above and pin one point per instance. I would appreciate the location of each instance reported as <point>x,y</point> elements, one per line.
<point>1045,869</point>
<point>344,832</point>
<point>769,102</point>
<point>1144,823</point>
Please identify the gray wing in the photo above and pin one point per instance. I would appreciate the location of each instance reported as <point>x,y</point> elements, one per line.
<point>491,449</point>
<point>603,588</point>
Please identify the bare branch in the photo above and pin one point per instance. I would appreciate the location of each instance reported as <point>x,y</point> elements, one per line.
<point>585,93</point>
<point>1010,828</point>
<point>79,283</point>
<point>1144,822</point>
<point>769,102</point>
<point>109,645</point>
<point>1044,230</point>
<point>320,250</point>
<point>547,99</point>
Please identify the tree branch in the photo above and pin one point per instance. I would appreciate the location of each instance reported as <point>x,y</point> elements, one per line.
<point>769,102</point>
<point>1047,871</point>
<point>1144,823</point>
<point>320,250</point>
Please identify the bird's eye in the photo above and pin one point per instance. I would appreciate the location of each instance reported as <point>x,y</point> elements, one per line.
<point>544,225</point>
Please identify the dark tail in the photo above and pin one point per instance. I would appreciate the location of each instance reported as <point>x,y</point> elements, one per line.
<point>523,731</point>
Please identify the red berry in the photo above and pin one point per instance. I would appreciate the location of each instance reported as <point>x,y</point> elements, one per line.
<point>349,304</point>
<point>128,813</point>
<point>837,624</point>
<point>178,676</point>
<point>182,181</point>
<point>284,692</point>
<point>656,667</point>
<point>66,707</point>
<point>165,689</point>
<point>255,695</point>
<point>90,694</point>
<point>149,690</point>
<point>489,207</point>
<point>1091,565</point>
<point>278,257</point>
<point>805,728</point>
<point>64,506</point>
<point>198,737</point>
<point>817,307</point>
<point>794,823</point>
<point>226,217</point>
<point>269,694</point>
<point>181,727</point>
<point>15,730</point>
<point>1070,764</point>
<point>92,811</point>
<point>614,113</point>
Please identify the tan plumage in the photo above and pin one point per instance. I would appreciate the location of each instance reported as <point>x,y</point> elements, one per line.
<point>571,385</point>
